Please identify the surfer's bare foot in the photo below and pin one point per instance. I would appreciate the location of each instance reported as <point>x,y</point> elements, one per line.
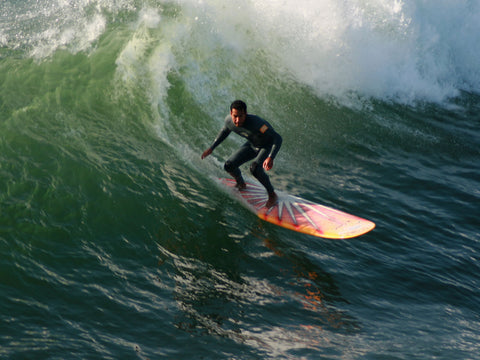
<point>272,200</point>
<point>241,185</point>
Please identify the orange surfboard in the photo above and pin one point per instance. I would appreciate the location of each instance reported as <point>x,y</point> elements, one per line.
<point>300,215</point>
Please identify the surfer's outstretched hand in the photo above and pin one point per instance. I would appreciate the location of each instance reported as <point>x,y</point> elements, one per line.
<point>206,153</point>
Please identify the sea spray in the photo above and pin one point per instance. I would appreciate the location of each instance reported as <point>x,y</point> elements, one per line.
<point>401,51</point>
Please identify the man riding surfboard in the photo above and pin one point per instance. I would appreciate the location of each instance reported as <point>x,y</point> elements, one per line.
<point>262,146</point>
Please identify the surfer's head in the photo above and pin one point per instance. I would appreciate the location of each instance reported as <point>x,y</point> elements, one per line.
<point>238,112</point>
<point>239,105</point>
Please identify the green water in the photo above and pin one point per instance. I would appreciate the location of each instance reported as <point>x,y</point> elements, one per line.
<point>116,240</point>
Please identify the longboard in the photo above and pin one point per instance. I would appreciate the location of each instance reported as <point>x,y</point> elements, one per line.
<point>295,213</point>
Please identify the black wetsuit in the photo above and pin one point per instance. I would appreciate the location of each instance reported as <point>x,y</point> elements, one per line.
<point>263,141</point>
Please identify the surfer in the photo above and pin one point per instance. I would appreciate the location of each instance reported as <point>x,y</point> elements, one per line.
<point>263,145</point>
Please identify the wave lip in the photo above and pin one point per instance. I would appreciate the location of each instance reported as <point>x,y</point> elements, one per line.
<point>401,51</point>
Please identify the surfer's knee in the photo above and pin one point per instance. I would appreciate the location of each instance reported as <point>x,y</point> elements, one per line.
<point>228,166</point>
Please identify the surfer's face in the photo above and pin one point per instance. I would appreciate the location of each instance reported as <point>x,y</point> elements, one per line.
<point>238,117</point>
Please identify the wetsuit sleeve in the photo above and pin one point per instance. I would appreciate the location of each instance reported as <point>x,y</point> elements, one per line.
<point>222,135</point>
<point>277,143</point>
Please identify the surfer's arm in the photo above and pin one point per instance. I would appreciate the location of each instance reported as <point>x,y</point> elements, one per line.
<point>277,143</point>
<point>222,135</point>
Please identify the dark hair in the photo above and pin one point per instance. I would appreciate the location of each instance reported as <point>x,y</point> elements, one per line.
<point>239,105</point>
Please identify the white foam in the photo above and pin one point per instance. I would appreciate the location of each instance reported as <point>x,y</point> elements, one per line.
<point>145,62</point>
<point>149,17</point>
<point>385,49</point>
<point>405,51</point>
<point>42,28</point>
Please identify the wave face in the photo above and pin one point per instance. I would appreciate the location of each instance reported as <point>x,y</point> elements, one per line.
<point>116,240</point>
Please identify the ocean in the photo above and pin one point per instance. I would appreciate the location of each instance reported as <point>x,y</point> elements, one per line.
<point>116,240</point>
